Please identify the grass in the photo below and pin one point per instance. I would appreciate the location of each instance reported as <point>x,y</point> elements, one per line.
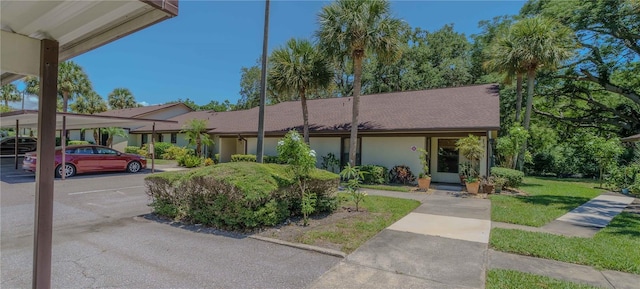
<point>616,247</point>
<point>353,232</point>
<point>548,199</point>
<point>507,279</point>
<point>162,162</point>
<point>385,187</point>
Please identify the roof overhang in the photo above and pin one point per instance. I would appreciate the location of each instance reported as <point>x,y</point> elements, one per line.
<point>633,138</point>
<point>78,26</point>
<point>29,119</point>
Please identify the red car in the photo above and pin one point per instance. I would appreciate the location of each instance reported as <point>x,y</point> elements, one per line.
<point>89,158</point>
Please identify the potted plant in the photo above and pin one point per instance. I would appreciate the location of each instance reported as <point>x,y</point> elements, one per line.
<point>472,149</point>
<point>487,185</point>
<point>499,183</point>
<point>424,179</point>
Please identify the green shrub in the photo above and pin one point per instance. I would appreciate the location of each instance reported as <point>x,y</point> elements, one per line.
<point>161,147</point>
<point>513,177</point>
<point>401,174</point>
<point>243,158</point>
<point>175,153</point>
<point>208,162</point>
<point>77,142</point>
<point>190,161</point>
<point>374,174</point>
<point>272,160</point>
<point>131,149</point>
<point>238,195</point>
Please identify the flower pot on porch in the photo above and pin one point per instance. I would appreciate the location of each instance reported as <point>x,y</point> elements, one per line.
<point>473,187</point>
<point>424,183</point>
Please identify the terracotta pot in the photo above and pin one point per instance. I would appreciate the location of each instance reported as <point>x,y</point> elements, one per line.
<point>473,188</point>
<point>424,183</point>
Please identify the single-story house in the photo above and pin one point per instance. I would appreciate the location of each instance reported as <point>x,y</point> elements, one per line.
<point>392,127</point>
<point>162,111</point>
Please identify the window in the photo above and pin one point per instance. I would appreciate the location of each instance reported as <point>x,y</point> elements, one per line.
<point>106,151</point>
<point>174,137</point>
<point>448,157</point>
<point>144,138</point>
<point>84,151</point>
<point>160,137</point>
<point>82,134</point>
<point>345,152</point>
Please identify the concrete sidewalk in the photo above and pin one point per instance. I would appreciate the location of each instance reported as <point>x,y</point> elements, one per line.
<point>441,244</point>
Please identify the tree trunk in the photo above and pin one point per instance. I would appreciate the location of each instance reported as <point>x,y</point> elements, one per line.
<point>357,75</point>
<point>95,136</point>
<point>531,75</point>
<point>198,146</point>
<point>305,116</point>
<point>518,96</point>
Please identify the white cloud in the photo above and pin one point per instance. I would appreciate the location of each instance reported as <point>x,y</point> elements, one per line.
<point>144,103</point>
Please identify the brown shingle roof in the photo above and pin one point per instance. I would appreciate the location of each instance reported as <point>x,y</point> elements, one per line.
<point>139,111</point>
<point>460,108</point>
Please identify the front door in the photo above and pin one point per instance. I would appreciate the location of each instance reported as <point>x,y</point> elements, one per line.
<point>445,160</point>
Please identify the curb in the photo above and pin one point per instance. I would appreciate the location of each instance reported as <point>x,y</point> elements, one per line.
<point>301,246</point>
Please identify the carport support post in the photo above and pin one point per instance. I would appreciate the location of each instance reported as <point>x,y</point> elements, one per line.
<point>43,225</point>
<point>153,148</point>
<point>16,144</point>
<point>63,143</point>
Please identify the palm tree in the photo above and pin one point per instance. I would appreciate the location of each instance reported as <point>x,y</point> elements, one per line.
<point>90,104</point>
<point>10,92</point>
<point>195,131</point>
<point>121,98</point>
<point>72,82</point>
<point>504,57</point>
<point>298,68</point>
<point>112,132</point>
<point>355,29</point>
<point>541,43</point>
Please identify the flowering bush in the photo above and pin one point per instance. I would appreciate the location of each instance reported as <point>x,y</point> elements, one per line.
<point>292,150</point>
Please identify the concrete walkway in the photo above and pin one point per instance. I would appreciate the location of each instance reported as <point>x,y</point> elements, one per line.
<point>441,244</point>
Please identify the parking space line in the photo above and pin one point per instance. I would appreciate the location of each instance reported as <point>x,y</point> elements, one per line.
<point>105,190</point>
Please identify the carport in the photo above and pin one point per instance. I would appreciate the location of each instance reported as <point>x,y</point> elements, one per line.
<point>34,37</point>
<point>29,119</point>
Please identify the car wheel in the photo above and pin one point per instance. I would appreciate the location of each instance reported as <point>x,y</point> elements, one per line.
<point>134,167</point>
<point>69,171</point>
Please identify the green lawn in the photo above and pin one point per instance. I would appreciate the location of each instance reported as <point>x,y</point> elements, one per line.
<point>395,188</point>
<point>548,199</point>
<point>508,279</point>
<point>353,232</point>
<point>162,162</point>
<point>616,247</point>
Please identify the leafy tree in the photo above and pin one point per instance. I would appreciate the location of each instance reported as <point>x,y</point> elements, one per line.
<point>10,93</point>
<point>72,82</point>
<point>509,146</point>
<point>91,103</point>
<point>355,30</point>
<point>4,108</point>
<point>606,153</point>
<point>121,98</point>
<point>296,69</point>
<point>112,132</point>
<point>195,131</point>
<point>599,87</point>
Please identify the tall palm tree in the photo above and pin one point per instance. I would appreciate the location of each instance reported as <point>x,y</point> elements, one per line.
<point>90,104</point>
<point>195,131</point>
<point>297,69</point>
<point>356,29</point>
<point>72,82</point>
<point>121,98</point>
<point>542,43</point>
<point>10,92</point>
<point>504,57</point>
<point>113,132</point>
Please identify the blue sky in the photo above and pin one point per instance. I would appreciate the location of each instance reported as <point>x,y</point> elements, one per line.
<point>199,53</point>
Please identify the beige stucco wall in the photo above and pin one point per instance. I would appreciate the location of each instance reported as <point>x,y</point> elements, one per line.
<point>323,146</point>
<point>227,147</point>
<point>270,146</point>
<point>393,150</point>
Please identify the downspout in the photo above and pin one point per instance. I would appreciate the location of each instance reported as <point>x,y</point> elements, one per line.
<point>489,153</point>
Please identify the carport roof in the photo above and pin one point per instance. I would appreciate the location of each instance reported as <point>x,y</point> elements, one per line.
<point>29,119</point>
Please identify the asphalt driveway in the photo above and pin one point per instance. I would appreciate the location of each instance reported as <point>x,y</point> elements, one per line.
<point>99,241</point>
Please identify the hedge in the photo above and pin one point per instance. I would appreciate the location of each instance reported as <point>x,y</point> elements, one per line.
<point>253,158</point>
<point>77,142</point>
<point>514,178</point>
<point>239,195</point>
<point>161,147</point>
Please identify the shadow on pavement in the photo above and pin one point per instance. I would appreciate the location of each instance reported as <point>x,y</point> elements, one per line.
<point>198,228</point>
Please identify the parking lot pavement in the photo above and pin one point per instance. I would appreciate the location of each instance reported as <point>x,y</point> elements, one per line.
<point>100,242</point>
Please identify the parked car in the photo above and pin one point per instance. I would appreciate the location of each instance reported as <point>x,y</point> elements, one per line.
<point>89,158</point>
<point>25,144</point>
